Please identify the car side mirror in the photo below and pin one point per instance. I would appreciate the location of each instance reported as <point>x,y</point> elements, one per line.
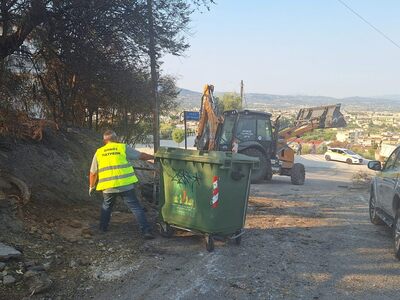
<point>375,165</point>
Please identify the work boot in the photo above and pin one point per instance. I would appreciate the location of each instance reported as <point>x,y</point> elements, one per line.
<point>147,235</point>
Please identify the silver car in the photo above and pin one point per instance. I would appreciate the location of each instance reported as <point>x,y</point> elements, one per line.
<point>384,203</point>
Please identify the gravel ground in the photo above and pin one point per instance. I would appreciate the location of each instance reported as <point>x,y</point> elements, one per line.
<point>302,242</point>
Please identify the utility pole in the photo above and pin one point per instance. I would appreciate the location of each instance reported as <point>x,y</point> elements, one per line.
<point>241,94</point>
<point>154,79</point>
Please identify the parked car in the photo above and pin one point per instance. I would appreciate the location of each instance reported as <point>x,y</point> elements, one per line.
<point>384,202</point>
<point>342,154</point>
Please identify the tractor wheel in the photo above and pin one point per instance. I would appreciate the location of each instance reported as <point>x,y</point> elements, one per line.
<point>268,176</point>
<point>298,174</point>
<point>258,175</point>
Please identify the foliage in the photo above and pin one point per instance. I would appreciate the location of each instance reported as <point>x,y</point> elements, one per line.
<point>166,131</point>
<point>320,135</point>
<point>285,122</point>
<point>229,101</point>
<point>178,135</point>
<point>367,152</point>
<point>86,63</point>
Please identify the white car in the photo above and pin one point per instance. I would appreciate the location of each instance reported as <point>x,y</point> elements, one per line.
<point>345,155</point>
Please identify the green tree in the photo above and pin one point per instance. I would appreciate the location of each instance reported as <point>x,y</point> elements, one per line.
<point>229,101</point>
<point>166,130</point>
<point>64,60</point>
<point>178,135</point>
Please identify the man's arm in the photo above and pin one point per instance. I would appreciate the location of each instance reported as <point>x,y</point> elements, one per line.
<point>92,179</point>
<point>145,156</point>
<point>133,154</point>
<point>93,175</point>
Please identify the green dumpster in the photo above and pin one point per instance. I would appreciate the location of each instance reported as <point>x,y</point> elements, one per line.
<point>204,192</point>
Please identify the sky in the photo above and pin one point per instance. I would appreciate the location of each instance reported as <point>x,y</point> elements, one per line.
<point>292,47</point>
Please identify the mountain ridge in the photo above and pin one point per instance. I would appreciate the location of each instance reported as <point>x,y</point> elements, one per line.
<point>189,99</point>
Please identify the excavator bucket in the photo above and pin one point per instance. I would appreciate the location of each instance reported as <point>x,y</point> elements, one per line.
<point>328,116</point>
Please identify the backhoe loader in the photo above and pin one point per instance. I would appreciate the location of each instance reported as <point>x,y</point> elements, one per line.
<point>253,133</point>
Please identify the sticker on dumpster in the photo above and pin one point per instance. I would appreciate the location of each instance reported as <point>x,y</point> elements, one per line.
<point>214,200</point>
<point>184,190</point>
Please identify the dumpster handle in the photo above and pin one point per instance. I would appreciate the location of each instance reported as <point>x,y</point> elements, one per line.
<point>227,164</point>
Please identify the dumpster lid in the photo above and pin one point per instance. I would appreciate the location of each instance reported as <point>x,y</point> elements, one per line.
<point>211,157</point>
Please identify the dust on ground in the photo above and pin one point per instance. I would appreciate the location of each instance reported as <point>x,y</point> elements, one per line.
<point>301,242</point>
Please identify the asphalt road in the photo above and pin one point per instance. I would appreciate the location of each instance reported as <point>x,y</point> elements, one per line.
<point>302,242</point>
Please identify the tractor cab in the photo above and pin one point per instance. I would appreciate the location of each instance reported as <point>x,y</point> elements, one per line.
<point>248,129</point>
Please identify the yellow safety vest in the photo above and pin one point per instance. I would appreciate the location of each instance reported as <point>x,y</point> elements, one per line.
<point>114,170</point>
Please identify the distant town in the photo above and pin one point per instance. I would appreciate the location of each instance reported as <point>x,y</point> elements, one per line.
<point>372,124</point>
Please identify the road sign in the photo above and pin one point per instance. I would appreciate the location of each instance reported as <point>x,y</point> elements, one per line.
<point>192,115</point>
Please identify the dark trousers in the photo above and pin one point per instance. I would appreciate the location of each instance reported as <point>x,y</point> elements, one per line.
<point>133,204</point>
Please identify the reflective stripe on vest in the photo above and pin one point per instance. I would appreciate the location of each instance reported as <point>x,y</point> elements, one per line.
<point>114,170</point>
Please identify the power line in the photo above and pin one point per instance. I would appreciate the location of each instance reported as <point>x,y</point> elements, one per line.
<point>368,23</point>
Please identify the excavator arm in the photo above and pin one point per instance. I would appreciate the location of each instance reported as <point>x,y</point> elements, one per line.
<point>307,120</point>
<point>209,121</point>
<point>312,118</point>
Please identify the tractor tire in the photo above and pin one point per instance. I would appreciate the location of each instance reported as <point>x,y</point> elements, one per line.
<point>258,175</point>
<point>268,176</point>
<point>298,174</point>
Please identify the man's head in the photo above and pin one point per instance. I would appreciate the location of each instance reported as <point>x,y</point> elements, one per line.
<point>110,136</point>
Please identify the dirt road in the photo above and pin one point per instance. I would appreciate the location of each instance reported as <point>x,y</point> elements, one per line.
<point>302,242</point>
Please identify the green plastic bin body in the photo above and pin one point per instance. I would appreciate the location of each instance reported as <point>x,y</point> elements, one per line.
<point>204,191</point>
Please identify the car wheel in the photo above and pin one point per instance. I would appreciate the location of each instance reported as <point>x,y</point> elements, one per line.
<point>396,235</point>
<point>372,211</point>
<point>327,157</point>
<point>349,161</point>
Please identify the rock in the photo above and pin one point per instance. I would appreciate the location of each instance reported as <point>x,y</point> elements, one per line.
<point>50,252</point>
<point>7,252</point>
<point>37,268</point>
<point>30,263</point>
<point>47,265</point>
<point>75,224</point>
<point>31,273</point>
<point>239,285</point>
<point>46,237</point>
<point>47,230</point>
<point>8,279</point>
<point>73,264</point>
<point>2,266</point>
<point>84,262</point>
<point>87,231</point>
<point>39,283</point>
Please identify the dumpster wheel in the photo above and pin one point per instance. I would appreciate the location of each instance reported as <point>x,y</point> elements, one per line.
<point>166,230</point>
<point>209,242</point>
<point>238,238</point>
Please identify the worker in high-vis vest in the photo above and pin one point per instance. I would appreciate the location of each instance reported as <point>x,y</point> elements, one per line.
<point>113,174</point>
